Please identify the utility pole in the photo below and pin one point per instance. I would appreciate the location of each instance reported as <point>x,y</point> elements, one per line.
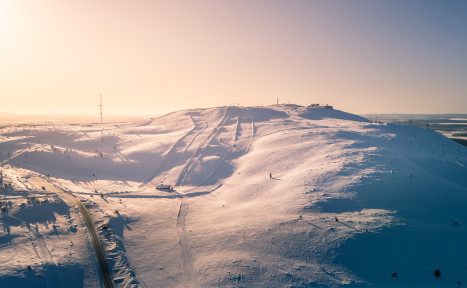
<point>101,108</point>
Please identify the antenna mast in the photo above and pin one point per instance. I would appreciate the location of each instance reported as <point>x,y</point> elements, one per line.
<point>101,108</point>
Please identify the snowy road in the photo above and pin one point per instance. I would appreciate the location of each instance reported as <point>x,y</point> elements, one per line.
<point>104,270</point>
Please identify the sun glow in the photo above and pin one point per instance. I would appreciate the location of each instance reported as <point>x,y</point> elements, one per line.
<point>160,56</point>
<point>7,16</point>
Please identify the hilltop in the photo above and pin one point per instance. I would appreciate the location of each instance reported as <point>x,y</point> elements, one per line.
<point>278,196</point>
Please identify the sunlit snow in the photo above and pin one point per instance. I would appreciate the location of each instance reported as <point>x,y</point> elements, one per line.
<point>278,196</point>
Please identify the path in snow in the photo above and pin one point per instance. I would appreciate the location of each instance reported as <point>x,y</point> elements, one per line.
<point>44,254</point>
<point>190,277</point>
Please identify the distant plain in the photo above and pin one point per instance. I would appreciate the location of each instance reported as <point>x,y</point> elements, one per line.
<point>453,126</point>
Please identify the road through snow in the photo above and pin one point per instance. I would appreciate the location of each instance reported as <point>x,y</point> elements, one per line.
<point>104,270</point>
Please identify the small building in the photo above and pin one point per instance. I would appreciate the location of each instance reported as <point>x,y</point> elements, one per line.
<point>322,106</point>
<point>165,187</point>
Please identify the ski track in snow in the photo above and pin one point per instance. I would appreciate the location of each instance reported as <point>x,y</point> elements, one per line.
<point>199,152</point>
<point>197,134</point>
<point>168,156</point>
<point>232,146</point>
<point>187,263</point>
<point>224,157</point>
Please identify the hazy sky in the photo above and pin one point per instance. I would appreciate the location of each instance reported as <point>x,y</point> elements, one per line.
<point>158,56</point>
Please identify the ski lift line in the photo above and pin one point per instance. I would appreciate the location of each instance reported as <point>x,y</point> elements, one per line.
<point>252,132</point>
<point>432,175</point>
<point>198,125</point>
<point>201,131</point>
<point>193,139</point>
<point>237,129</point>
<point>170,151</point>
<point>228,152</point>
<point>193,160</point>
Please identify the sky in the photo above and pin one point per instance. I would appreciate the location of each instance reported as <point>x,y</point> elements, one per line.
<point>153,57</point>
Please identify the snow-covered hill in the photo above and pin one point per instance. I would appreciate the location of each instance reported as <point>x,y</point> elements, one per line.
<point>278,196</point>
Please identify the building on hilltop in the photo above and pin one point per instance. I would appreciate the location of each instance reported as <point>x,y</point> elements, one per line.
<point>318,106</point>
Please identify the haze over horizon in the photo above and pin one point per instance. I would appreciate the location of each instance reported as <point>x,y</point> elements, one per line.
<point>154,57</point>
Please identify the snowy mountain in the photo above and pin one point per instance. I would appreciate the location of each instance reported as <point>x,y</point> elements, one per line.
<point>278,196</point>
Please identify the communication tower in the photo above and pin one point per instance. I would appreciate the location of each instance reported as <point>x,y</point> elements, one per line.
<point>100,106</point>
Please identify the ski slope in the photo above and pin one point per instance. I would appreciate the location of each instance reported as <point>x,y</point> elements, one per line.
<point>277,196</point>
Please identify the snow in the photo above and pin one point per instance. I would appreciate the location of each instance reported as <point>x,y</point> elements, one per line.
<point>278,196</point>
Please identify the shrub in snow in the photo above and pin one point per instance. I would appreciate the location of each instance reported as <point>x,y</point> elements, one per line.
<point>73,228</point>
